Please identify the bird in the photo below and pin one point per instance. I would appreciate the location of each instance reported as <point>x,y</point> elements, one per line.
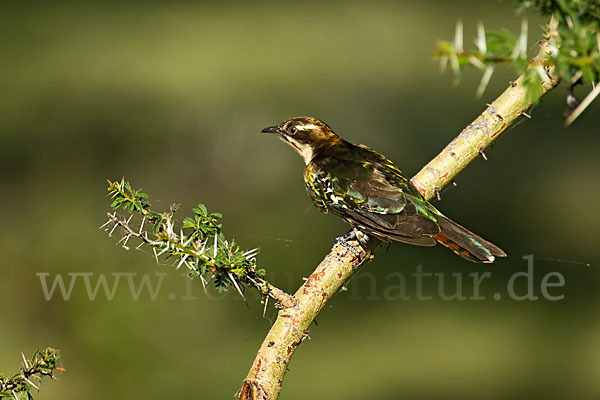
<point>369,192</point>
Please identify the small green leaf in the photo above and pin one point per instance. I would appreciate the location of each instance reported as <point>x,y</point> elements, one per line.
<point>189,223</point>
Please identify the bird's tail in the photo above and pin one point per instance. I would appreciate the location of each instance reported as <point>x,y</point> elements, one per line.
<point>465,243</point>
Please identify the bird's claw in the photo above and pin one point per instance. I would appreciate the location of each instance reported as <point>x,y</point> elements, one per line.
<point>343,240</point>
<point>347,246</point>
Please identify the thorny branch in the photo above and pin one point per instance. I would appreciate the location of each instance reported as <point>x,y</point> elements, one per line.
<point>485,129</point>
<point>42,364</point>
<point>199,245</point>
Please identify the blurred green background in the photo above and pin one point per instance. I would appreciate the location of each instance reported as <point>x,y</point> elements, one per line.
<point>172,95</point>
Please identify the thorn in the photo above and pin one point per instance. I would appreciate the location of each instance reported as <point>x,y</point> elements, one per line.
<point>14,394</point>
<point>485,79</point>
<point>569,21</point>
<point>31,383</point>
<point>576,79</point>
<point>458,47</point>
<point>169,227</point>
<point>203,247</point>
<point>481,41</point>
<point>458,36</point>
<point>204,283</point>
<point>250,253</point>
<point>142,225</point>
<point>113,229</point>
<point>215,247</point>
<point>186,244</point>
<point>571,100</point>
<point>454,64</point>
<point>125,242</point>
<point>106,223</point>
<point>192,265</point>
<point>305,333</point>
<point>482,154</point>
<point>164,250</point>
<point>443,63</point>
<point>182,261</point>
<point>584,104</point>
<point>140,245</point>
<point>523,37</point>
<point>128,219</point>
<point>236,285</point>
<point>476,62</point>
<point>521,45</point>
<point>265,308</point>
<point>437,194</point>
<point>25,361</point>
<point>523,113</point>
<point>454,184</point>
<point>123,238</point>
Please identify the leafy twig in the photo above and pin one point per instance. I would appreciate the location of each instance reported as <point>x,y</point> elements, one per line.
<point>576,56</point>
<point>199,244</point>
<point>41,365</point>
<point>487,127</point>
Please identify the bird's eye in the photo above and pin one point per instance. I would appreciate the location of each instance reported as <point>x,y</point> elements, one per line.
<point>293,130</point>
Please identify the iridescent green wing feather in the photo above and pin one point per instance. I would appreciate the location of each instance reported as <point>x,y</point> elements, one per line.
<point>368,191</point>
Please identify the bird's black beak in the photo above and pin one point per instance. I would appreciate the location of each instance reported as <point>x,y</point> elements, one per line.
<point>271,129</point>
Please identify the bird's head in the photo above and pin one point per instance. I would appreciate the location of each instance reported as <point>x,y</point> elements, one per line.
<point>307,135</point>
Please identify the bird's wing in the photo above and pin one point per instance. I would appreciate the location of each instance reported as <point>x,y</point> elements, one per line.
<point>368,191</point>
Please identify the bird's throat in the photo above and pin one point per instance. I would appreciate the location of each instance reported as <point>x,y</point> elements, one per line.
<point>306,151</point>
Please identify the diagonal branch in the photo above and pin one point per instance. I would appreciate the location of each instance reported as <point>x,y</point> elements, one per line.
<point>291,327</point>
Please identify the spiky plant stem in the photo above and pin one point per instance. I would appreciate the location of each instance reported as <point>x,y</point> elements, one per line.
<point>43,364</point>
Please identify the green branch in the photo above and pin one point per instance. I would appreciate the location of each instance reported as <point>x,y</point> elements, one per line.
<point>535,82</point>
<point>198,244</point>
<point>42,364</point>
<point>575,58</point>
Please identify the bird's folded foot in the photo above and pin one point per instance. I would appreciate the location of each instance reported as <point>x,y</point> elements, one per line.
<point>347,246</point>
<point>352,235</point>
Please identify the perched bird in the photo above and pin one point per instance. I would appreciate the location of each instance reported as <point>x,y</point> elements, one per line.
<point>369,192</point>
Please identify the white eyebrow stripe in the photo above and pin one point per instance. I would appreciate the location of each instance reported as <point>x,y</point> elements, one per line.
<point>307,127</point>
